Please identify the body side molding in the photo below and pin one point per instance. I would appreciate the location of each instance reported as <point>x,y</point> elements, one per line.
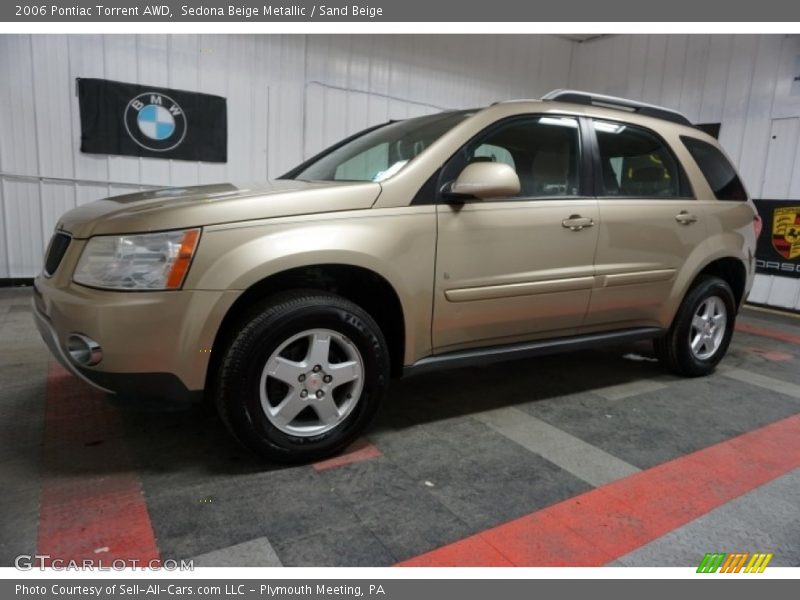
<point>492,354</point>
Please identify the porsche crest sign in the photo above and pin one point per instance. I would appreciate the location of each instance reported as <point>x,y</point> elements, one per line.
<point>786,231</point>
<point>778,251</point>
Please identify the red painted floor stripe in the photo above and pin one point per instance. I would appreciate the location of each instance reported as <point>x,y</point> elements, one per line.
<point>360,450</point>
<point>599,526</point>
<point>776,334</point>
<point>773,355</point>
<point>91,505</point>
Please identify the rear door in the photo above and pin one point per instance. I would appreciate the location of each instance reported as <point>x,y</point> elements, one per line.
<point>517,268</point>
<point>649,225</point>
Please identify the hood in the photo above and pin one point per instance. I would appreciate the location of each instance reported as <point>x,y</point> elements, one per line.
<point>177,208</point>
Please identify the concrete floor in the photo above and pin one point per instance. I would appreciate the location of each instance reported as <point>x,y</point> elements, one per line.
<point>458,462</point>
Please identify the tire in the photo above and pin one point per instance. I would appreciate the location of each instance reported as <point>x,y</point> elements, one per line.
<point>287,396</point>
<point>709,300</point>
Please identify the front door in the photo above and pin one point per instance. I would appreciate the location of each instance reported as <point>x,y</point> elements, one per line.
<point>517,268</point>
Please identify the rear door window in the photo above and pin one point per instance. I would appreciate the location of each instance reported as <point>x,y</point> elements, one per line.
<point>636,163</point>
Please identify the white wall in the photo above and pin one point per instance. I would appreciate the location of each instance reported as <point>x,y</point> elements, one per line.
<point>740,81</point>
<point>288,97</point>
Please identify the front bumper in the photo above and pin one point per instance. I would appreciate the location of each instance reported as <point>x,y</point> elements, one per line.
<point>50,337</point>
<point>155,344</point>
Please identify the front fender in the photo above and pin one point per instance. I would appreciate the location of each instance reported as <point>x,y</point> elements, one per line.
<point>397,244</point>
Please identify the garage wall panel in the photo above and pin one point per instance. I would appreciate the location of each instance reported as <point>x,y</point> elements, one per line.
<point>23,216</point>
<point>691,88</point>
<point>212,79</point>
<point>152,67</point>
<point>758,119</point>
<point>121,63</point>
<point>50,64</point>
<point>404,76</point>
<point>794,183</point>
<point>741,81</point>
<point>86,59</point>
<point>781,153</point>
<point>88,192</point>
<point>57,198</point>
<point>18,140</point>
<point>715,77</point>
<point>288,97</point>
<point>183,73</point>
<point>4,240</point>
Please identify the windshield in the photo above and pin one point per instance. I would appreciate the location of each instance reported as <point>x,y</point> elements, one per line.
<point>380,153</point>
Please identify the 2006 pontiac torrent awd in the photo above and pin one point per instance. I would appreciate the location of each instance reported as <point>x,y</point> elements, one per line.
<point>446,240</point>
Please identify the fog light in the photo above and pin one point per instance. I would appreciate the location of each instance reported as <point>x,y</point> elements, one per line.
<point>84,350</point>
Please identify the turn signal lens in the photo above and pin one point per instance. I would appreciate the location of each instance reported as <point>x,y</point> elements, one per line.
<point>181,265</point>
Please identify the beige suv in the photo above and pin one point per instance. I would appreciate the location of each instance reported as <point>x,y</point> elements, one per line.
<point>446,240</point>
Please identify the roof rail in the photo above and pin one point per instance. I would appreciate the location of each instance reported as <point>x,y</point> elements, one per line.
<point>648,110</point>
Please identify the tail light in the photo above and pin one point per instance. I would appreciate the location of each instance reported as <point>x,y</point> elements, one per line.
<point>758,225</point>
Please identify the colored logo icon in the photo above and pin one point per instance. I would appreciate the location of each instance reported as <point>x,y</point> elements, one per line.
<point>742,562</point>
<point>155,121</point>
<point>786,231</point>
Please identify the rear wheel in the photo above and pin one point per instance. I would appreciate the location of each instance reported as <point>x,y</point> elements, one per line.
<point>303,376</point>
<point>701,332</point>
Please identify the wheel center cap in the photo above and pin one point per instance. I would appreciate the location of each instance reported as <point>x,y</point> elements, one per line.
<point>314,382</point>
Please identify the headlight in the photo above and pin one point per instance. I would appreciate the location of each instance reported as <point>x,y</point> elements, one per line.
<point>148,261</point>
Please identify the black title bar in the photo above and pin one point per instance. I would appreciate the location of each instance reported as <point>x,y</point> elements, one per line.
<point>177,11</point>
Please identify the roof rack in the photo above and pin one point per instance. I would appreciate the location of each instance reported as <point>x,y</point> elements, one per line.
<point>648,110</point>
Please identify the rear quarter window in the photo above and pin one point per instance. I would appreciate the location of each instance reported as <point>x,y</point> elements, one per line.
<point>717,169</point>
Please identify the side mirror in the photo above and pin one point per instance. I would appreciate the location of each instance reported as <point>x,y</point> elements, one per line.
<point>486,180</point>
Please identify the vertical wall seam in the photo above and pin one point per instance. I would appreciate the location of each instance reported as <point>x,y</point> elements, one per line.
<point>684,76</point>
<point>304,141</point>
<point>646,58</point>
<point>794,161</point>
<point>72,91</point>
<point>629,52</point>
<point>771,116</point>
<point>6,229</point>
<point>748,99</point>
<point>254,108</point>
<point>571,64</point>
<point>105,74</point>
<point>663,71</point>
<point>728,68</point>
<point>703,76</point>
<point>137,46</point>
<point>38,142</point>
<point>6,226</point>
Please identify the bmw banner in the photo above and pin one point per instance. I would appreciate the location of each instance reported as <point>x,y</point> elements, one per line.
<point>140,120</point>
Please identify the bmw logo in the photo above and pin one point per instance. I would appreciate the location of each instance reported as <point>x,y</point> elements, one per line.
<point>155,121</point>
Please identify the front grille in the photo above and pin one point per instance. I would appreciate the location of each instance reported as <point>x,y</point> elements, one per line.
<point>55,252</point>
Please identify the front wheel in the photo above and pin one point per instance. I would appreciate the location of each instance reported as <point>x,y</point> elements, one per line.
<point>701,332</point>
<point>303,376</point>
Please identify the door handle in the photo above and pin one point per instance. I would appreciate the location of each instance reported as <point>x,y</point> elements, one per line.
<point>685,218</point>
<point>576,222</point>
